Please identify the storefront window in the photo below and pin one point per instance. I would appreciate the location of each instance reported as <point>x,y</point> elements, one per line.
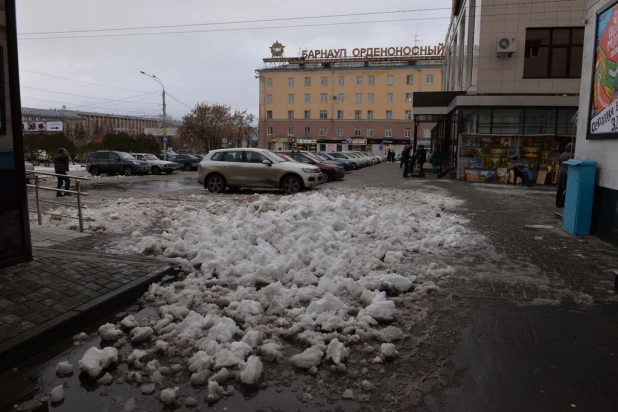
<point>565,122</point>
<point>507,121</point>
<point>540,122</point>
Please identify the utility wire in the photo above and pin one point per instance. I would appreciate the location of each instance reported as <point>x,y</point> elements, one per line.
<point>76,95</point>
<point>328,16</point>
<point>80,81</point>
<point>55,101</point>
<point>185,105</point>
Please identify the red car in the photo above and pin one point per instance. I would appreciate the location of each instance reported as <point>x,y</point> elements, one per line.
<point>330,170</point>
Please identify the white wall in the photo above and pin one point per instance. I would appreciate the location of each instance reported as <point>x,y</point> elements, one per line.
<point>603,151</point>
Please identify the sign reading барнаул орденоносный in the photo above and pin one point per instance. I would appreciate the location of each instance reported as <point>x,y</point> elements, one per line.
<point>375,52</point>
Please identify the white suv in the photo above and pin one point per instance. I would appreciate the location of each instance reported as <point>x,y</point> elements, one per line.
<point>236,168</point>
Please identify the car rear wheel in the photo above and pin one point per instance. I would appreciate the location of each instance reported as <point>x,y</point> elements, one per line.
<point>127,171</point>
<point>94,171</point>
<point>354,166</point>
<point>291,185</point>
<point>156,170</point>
<point>187,167</point>
<point>215,183</point>
<point>324,177</point>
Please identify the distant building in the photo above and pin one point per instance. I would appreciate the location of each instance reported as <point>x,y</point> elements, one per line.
<point>89,125</point>
<point>333,100</point>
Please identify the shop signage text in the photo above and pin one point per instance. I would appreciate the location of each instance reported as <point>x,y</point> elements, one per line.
<point>375,52</point>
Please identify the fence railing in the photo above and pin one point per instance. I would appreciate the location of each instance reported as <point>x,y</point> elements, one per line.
<point>37,199</point>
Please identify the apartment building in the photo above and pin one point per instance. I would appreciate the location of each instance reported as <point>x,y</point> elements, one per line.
<point>511,83</point>
<point>356,103</point>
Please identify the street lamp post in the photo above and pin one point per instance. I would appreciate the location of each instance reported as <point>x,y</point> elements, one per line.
<point>164,114</point>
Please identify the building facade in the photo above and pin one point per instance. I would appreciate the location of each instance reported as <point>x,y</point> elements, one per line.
<point>90,125</point>
<point>332,104</point>
<point>597,138</point>
<point>511,84</point>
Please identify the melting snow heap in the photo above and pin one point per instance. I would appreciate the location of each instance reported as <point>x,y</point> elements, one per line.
<point>311,275</point>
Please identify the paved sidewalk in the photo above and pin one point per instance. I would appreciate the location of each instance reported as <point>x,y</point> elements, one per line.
<point>63,284</point>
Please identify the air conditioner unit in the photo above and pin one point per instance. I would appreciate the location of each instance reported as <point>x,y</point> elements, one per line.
<point>506,45</point>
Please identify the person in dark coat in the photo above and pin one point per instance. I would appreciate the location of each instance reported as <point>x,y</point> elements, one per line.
<point>421,156</point>
<point>520,170</point>
<point>436,158</point>
<point>562,174</point>
<point>61,167</point>
<point>405,160</point>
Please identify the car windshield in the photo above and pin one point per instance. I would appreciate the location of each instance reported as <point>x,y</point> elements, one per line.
<point>314,157</point>
<point>125,156</point>
<point>275,157</point>
<point>192,157</point>
<point>151,157</point>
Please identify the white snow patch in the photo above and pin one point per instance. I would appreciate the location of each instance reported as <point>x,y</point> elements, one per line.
<point>309,358</point>
<point>109,332</point>
<point>336,351</point>
<point>539,226</point>
<point>95,360</point>
<point>64,368</point>
<point>57,394</point>
<point>169,396</point>
<point>251,371</point>
<point>128,322</point>
<point>141,334</point>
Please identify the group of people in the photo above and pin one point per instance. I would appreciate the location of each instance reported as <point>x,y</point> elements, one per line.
<point>420,157</point>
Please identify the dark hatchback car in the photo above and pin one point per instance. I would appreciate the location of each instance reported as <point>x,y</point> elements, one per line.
<point>113,162</point>
<point>331,170</point>
<point>186,161</point>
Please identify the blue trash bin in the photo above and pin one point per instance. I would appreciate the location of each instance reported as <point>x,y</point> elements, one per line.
<point>579,195</point>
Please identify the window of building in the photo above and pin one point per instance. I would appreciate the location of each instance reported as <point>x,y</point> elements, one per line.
<point>357,132</point>
<point>507,121</point>
<point>340,114</point>
<point>407,132</point>
<point>307,81</point>
<point>390,80</point>
<point>291,114</point>
<point>269,114</point>
<point>340,98</point>
<point>359,80</point>
<point>388,133</point>
<point>426,133</point>
<point>553,53</point>
<point>389,115</point>
<point>290,82</point>
<point>307,131</point>
<point>323,98</point>
<point>408,114</point>
<point>369,114</point>
<point>389,97</point>
<point>323,114</point>
<point>290,98</point>
<point>340,131</point>
<point>269,82</point>
<point>358,98</point>
<point>341,81</point>
<point>290,131</point>
<point>307,114</point>
<point>409,97</point>
<point>410,79</point>
<point>269,98</point>
<point>540,121</point>
<point>307,97</point>
<point>322,131</point>
<point>429,79</point>
<point>372,80</point>
<point>323,81</point>
<point>269,130</point>
<point>369,132</point>
<point>370,97</point>
<point>357,115</point>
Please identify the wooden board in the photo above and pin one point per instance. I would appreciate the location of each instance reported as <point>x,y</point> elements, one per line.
<point>541,177</point>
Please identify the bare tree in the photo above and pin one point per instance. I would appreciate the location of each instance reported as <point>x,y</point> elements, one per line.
<point>206,125</point>
<point>242,126</point>
<point>74,131</point>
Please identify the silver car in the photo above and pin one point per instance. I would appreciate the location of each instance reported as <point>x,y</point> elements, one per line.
<point>236,168</point>
<point>157,166</point>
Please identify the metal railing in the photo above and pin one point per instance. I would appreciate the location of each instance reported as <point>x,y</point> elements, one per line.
<point>77,192</point>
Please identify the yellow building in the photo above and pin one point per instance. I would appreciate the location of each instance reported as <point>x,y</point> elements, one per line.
<point>356,103</point>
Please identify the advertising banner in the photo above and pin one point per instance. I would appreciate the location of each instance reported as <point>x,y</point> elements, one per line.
<point>34,127</point>
<point>603,121</point>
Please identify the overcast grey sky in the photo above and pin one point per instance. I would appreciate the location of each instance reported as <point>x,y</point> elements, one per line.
<point>205,66</point>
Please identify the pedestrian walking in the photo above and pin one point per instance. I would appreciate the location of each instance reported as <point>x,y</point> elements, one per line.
<point>436,157</point>
<point>61,167</point>
<point>562,175</point>
<point>405,161</point>
<point>390,157</point>
<point>72,157</point>
<point>421,156</point>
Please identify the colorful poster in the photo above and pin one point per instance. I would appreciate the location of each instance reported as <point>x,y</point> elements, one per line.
<point>604,100</point>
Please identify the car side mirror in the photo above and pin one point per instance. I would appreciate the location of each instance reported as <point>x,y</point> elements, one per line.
<point>267,162</point>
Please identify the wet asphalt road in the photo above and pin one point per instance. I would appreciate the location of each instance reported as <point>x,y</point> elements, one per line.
<point>507,357</point>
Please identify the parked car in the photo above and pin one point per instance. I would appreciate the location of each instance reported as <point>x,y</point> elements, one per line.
<point>374,159</point>
<point>113,162</point>
<point>157,165</point>
<point>186,161</point>
<point>354,162</point>
<point>331,169</point>
<point>364,161</point>
<point>236,168</point>
<point>327,156</point>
